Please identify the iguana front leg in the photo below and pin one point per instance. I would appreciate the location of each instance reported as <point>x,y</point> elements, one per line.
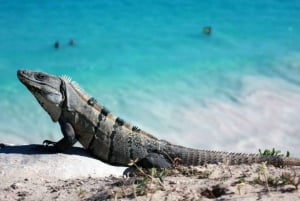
<point>67,141</point>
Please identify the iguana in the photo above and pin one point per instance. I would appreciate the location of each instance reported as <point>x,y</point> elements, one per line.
<point>111,139</point>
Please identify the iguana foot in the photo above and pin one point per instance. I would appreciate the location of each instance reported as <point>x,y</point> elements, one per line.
<point>44,149</point>
<point>129,172</point>
<point>48,142</point>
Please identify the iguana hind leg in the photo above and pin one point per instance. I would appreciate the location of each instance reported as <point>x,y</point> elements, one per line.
<point>154,160</point>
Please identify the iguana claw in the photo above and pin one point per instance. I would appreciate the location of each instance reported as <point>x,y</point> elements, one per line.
<point>48,142</point>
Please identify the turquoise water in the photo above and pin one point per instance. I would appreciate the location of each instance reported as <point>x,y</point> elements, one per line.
<point>148,62</point>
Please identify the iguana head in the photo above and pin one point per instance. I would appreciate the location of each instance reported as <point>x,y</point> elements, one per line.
<point>49,90</point>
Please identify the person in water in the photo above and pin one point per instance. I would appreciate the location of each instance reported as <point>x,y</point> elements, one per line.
<point>72,42</point>
<point>56,45</point>
<point>207,30</point>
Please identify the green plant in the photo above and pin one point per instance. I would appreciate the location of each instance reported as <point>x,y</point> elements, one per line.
<point>273,152</point>
<point>241,180</point>
<point>263,171</point>
<point>148,180</point>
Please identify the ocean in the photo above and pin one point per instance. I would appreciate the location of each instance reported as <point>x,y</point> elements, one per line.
<point>237,89</point>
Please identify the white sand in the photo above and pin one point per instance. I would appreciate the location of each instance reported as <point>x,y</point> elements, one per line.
<point>28,172</point>
<point>28,159</point>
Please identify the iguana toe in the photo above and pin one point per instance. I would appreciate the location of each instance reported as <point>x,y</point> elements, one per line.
<point>48,142</point>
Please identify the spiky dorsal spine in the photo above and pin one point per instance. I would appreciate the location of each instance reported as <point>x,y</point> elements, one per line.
<point>75,85</point>
<point>66,78</point>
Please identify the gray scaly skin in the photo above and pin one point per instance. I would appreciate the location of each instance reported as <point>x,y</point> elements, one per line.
<point>113,140</point>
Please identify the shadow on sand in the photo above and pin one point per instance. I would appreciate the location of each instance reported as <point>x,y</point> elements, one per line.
<point>34,149</point>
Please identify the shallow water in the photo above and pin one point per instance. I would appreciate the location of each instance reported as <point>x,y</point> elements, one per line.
<point>235,90</point>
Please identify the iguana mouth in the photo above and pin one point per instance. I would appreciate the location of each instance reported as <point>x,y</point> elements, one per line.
<point>32,85</point>
<point>25,78</point>
<point>21,75</point>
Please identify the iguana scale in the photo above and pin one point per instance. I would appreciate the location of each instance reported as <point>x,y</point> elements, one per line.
<point>111,139</point>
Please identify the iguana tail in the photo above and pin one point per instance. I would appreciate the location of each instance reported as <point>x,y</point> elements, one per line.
<point>196,157</point>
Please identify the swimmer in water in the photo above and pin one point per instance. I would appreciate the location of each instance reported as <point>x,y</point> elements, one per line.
<point>56,45</point>
<point>72,42</point>
<point>207,30</point>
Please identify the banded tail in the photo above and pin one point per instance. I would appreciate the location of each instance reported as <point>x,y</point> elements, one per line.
<point>194,157</point>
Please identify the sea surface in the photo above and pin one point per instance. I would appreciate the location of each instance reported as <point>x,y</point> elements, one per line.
<point>237,89</point>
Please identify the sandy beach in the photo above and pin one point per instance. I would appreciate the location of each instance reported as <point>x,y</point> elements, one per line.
<point>29,172</point>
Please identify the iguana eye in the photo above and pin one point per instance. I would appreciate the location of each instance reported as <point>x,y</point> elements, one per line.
<point>40,76</point>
